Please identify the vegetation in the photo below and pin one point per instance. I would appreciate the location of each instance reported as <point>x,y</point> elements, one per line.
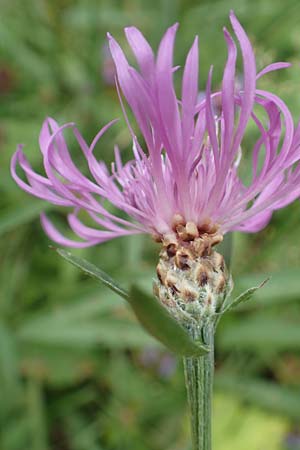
<point>77,372</point>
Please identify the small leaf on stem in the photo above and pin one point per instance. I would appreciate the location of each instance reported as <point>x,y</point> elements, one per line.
<point>150,313</point>
<point>93,271</point>
<point>242,298</point>
<point>160,324</point>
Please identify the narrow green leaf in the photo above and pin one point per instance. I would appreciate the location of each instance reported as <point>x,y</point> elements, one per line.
<point>107,332</point>
<point>285,286</point>
<point>154,318</point>
<point>93,271</point>
<point>244,297</point>
<point>265,394</point>
<point>9,376</point>
<point>36,415</point>
<point>260,333</point>
<point>160,324</point>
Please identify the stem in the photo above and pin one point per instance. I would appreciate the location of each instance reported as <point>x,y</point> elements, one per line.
<point>199,374</point>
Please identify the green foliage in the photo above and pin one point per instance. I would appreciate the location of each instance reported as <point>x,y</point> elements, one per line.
<point>158,322</point>
<point>77,371</point>
<point>94,272</point>
<point>265,394</point>
<point>247,295</point>
<point>154,318</point>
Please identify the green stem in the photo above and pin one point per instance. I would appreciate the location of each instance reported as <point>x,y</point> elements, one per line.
<point>199,374</point>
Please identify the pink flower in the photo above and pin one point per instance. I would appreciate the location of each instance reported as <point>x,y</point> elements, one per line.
<point>190,167</point>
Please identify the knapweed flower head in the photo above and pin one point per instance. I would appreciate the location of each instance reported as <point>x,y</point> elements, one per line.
<point>184,180</point>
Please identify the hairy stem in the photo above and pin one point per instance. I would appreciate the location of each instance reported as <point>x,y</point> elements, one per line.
<point>199,374</point>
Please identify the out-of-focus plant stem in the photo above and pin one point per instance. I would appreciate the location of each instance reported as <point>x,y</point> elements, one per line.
<point>199,373</point>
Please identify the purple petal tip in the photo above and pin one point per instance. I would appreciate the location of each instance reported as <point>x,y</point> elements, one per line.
<point>174,27</point>
<point>131,27</point>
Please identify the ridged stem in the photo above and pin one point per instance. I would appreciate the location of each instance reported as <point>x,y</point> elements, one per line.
<point>199,373</point>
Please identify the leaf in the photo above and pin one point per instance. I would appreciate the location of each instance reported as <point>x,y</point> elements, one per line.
<point>154,317</point>
<point>160,324</point>
<point>285,287</point>
<point>105,332</point>
<point>93,271</point>
<point>37,415</point>
<point>9,364</point>
<point>260,333</point>
<point>266,394</point>
<point>79,310</point>
<point>242,298</point>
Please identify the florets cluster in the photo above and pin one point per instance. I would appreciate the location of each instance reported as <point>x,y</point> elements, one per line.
<point>193,281</point>
<point>190,164</point>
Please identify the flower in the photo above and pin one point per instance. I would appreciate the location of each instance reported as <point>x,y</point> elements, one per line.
<point>186,179</point>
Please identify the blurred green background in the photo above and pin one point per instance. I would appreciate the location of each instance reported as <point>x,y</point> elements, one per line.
<point>76,370</point>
